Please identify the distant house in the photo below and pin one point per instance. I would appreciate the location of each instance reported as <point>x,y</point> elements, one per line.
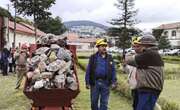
<point>172,30</point>
<point>24,33</point>
<point>83,44</point>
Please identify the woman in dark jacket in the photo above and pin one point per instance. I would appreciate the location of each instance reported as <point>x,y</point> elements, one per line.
<point>4,60</point>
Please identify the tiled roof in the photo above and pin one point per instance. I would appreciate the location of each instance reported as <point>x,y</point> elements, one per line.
<point>72,37</point>
<point>169,26</point>
<point>24,28</point>
<point>87,40</point>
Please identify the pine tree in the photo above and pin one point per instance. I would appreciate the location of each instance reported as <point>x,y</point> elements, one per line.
<point>163,42</point>
<point>123,23</point>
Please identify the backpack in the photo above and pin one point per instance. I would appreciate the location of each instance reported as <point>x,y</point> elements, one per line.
<point>22,59</point>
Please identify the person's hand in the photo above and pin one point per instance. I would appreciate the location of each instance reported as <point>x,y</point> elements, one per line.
<point>87,86</point>
<point>114,86</point>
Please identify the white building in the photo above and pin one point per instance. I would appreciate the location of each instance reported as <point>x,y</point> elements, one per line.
<point>172,30</point>
<point>83,44</point>
<point>24,34</point>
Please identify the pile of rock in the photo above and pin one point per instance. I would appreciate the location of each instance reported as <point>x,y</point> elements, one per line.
<point>51,66</point>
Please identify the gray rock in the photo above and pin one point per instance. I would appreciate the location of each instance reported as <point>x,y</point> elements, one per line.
<point>42,50</point>
<point>35,60</point>
<point>59,81</point>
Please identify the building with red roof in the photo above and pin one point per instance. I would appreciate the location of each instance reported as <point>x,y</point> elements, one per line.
<point>24,33</point>
<point>83,44</point>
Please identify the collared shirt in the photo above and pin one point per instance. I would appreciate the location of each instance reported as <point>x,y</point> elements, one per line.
<point>101,67</point>
<point>101,70</point>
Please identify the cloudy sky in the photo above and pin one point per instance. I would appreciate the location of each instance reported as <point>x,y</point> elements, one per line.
<point>151,12</point>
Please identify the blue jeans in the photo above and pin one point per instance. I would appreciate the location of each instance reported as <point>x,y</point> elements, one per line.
<point>146,100</point>
<point>135,98</point>
<point>99,92</point>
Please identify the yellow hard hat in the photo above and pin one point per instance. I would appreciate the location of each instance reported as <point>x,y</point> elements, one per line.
<point>145,40</point>
<point>136,40</point>
<point>101,42</point>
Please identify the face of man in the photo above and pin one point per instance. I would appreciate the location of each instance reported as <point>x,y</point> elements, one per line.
<point>102,49</point>
<point>138,48</point>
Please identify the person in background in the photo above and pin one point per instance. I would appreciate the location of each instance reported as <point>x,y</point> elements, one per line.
<point>100,76</point>
<point>0,62</point>
<point>149,73</point>
<point>10,61</point>
<point>4,60</point>
<point>15,52</point>
<point>21,64</point>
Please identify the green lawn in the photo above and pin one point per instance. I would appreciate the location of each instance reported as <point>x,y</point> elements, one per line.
<point>171,91</point>
<point>172,67</point>
<point>85,53</point>
<point>11,99</point>
<point>172,85</point>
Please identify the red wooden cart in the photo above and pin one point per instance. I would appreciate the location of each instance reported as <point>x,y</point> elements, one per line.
<point>53,99</point>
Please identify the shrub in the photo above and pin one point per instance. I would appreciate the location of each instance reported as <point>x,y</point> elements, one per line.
<point>171,58</point>
<point>166,105</point>
<point>83,57</point>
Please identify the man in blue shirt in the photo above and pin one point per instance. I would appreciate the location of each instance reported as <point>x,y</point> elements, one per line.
<point>100,76</point>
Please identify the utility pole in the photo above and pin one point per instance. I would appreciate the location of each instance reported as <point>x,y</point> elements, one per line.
<point>14,38</point>
<point>8,24</point>
<point>35,25</point>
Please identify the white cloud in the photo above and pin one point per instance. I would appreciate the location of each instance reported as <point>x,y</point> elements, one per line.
<point>158,10</point>
<point>151,12</point>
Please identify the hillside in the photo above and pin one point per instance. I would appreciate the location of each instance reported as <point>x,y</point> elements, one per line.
<point>70,24</point>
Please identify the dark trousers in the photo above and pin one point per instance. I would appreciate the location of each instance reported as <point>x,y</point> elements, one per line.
<point>10,67</point>
<point>100,92</point>
<point>135,98</point>
<point>146,100</point>
<point>4,69</point>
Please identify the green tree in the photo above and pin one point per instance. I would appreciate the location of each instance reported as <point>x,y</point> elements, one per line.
<point>163,42</point>
<point>157,33</point>
<point>52,25</point>
<point>24,20</point>
<point>131,32</point>
<point>123,22</point>
<point>36,8</point>
<point>4,12</point>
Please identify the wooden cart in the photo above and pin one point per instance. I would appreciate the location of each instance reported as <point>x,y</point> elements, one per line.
<point>53,99</point>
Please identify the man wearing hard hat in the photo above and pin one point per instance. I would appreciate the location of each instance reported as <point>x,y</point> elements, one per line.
<point>149,73</point>
<point>100,76</point>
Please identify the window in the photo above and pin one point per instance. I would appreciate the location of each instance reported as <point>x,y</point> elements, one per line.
<point>166,33</point>
<point>173,33</point>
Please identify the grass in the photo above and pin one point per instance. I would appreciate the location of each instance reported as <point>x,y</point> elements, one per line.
<point>172,67</point>
<point>171,91</point>
<point>11,99</point>
<point>83,61</point>
<point>87,54</point>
